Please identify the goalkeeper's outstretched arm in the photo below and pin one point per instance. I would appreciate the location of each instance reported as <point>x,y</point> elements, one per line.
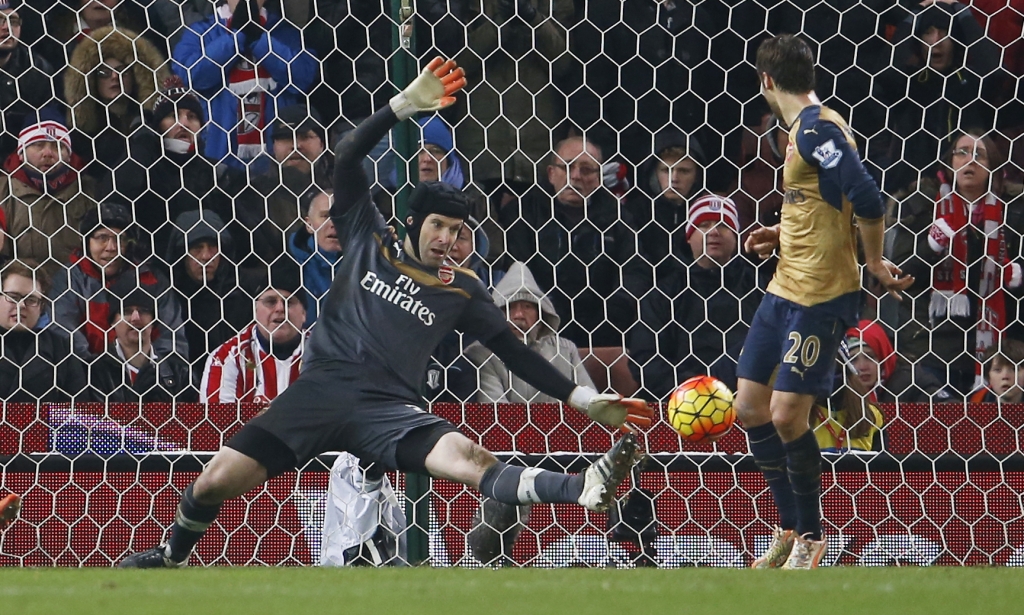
<point>432,90</point>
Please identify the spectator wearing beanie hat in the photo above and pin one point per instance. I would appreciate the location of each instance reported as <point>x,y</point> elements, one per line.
<point>42,194</point>
<point>177,117</point>
<point>881,371</point>
<point>81,297</point>
<point>129,370</point>
<point>208,285</point>
<point>698,317</point>
<point>437,160</point>
<point>666,185</point>
<point>270,211</point>
<point>165,174</point>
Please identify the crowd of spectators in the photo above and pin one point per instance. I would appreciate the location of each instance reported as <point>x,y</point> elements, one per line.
<point>164,200</point>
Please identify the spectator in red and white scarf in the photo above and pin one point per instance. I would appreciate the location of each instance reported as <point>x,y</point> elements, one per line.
<point>261,361</point>
<point>973,269</point>
<point>248,62</point>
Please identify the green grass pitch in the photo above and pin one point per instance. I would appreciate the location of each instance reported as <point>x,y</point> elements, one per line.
<point>314,591</point>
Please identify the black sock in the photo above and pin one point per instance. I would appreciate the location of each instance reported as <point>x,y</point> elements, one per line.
<point>190,523</point>
<point>770,456</point>
<point>515,485</point>
<point>804,462</point>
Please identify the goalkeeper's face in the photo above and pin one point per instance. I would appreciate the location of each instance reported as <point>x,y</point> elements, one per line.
<point>437,236</point>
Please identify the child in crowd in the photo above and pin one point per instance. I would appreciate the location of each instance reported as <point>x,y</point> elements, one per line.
<point>1003,366</point>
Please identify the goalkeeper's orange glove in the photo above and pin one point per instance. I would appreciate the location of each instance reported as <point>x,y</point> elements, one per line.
<point>611,409</point>
<point>433,90</point>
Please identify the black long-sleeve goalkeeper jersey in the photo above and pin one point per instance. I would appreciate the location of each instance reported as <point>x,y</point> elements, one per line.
<point>387,311</point>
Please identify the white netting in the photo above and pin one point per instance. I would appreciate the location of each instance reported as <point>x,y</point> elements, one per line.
<point>163,169</point>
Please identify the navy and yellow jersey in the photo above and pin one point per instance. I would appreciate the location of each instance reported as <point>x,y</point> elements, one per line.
<point>825,186</point>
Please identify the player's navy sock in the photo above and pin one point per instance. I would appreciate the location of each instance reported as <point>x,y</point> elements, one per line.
<point>770,456</point>
<point>804,462</point>
<point>190,523</point>
<point>515,485</point>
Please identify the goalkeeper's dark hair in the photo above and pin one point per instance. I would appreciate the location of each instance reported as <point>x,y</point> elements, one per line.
<point>789,61</point>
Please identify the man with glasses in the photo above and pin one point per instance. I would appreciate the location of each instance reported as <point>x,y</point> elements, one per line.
<point>261,361</point>
<point>36,363</point>
<point>26,79</point>
<point>589,239</point>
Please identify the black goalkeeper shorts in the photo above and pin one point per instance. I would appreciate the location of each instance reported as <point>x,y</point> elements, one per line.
<point>327,409</point>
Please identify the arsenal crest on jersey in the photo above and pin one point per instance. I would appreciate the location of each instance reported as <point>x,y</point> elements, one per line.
<point>446,274</point>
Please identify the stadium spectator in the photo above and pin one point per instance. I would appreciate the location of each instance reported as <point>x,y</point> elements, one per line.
<point>111,79</point>
<point>955,248</point>
<point>26,79</point>
<point>249,63</point>
<point>451,377</point>
<point>165,174</point>
<point>316,247</point>
<point>36,362</point>
<point>437,160</point>
<point>570,221</point>
<point>129,370</point>
<point>263,359</point>
<point>944,51</point>
<point>666,185</point>
<point>507,117</point>
<point>533,318</point>
<point>698,316</point>
<point>43,197</point>
<point>81,299</point>
<point>848,419</point>
<point>208,285</point>
<point>470,252</point>
<point>887,376</point>
<point>270,209</point>
<point>1003,366</point>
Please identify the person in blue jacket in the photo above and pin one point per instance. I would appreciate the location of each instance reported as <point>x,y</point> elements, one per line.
<point>247,62</point>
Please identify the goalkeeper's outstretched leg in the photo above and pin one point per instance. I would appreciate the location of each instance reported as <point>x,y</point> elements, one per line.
<point>229,475</point>
<point>454,457</point>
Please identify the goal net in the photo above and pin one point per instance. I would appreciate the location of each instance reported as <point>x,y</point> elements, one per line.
<point>160,205</point>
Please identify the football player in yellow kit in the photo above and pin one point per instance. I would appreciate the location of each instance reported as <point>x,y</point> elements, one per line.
<point>813,298</point>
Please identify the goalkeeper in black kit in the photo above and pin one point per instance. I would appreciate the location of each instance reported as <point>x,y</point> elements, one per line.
<point>359,390</point>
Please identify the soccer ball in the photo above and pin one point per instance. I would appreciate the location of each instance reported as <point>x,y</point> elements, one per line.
<point>700,409</point>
